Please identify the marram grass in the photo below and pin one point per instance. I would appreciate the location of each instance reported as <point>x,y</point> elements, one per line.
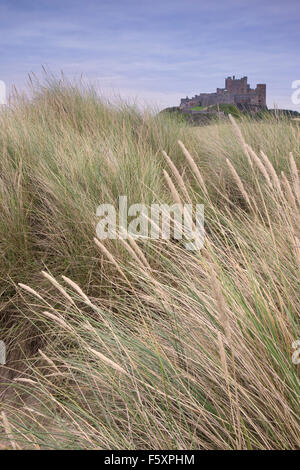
<point>142,344</point>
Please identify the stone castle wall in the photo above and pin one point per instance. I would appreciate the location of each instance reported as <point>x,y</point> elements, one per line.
<point>236,91</point>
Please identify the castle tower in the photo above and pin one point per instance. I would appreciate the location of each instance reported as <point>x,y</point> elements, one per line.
<point>238,86</point>
<point>261,94</point>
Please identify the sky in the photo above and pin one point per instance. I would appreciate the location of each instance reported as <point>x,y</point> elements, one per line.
<point>154,51</point>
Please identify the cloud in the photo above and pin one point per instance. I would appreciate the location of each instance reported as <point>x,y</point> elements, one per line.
<point>158,49</point>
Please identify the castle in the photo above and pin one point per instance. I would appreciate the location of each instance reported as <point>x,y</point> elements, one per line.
<point>236,91</point>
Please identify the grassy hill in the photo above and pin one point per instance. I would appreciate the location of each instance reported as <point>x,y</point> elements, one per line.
<point>211,113</point>
<point>141,344</point>
<point>225,108</point>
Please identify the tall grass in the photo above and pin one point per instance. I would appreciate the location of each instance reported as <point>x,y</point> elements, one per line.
<point>143,344</point>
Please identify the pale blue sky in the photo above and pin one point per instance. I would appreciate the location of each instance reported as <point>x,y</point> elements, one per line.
<point>156,51</point>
